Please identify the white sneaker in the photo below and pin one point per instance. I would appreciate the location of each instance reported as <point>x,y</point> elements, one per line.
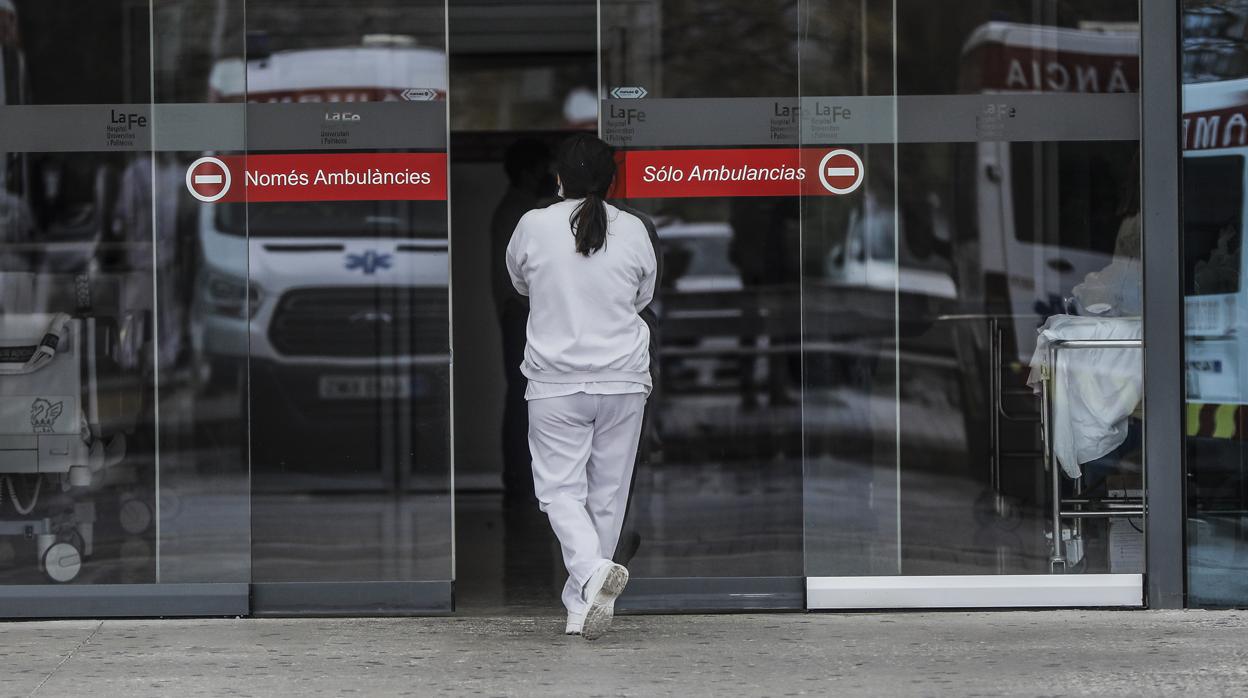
<point>601,591</point>
<point>575,623</point>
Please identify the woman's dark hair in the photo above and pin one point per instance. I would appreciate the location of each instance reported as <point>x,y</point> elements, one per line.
<point>586,168</point>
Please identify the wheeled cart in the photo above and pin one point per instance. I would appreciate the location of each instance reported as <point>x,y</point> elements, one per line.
<point>1129,506</point>
<point>1069,503</point>
<point>52,437</point>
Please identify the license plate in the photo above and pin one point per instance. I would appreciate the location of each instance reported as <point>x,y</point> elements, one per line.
<point>365,387</point>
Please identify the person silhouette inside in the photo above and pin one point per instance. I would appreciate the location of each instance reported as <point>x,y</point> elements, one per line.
<point>530,184</point>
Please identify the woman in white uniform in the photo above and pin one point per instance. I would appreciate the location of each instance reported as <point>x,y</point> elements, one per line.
<point>588,268</point>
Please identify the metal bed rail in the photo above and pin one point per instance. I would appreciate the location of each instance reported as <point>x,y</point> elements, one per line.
<point>997,411</point>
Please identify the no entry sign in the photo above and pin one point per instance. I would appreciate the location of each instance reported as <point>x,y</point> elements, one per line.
<point>840,171</point>
<point>736,172</point>
<point>208,179</point>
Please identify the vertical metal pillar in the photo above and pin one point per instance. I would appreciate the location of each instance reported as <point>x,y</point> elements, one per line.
<point>1160,168</point>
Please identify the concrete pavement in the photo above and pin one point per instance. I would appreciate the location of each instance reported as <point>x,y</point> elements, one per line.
<point>1047,653</point>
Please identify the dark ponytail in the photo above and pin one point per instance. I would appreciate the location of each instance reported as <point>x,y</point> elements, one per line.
<point>586,167</point>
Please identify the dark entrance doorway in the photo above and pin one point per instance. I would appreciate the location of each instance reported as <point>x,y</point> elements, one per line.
<point>524,76</point>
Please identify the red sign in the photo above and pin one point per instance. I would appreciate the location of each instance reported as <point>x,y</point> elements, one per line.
<point>1220,128</point>
<point>662,174</point>
<point>323,177</point>
<point>1040,69</point>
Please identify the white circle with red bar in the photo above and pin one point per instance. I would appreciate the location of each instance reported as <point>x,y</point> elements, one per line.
<point>208,179</point>
<point>841,171</point>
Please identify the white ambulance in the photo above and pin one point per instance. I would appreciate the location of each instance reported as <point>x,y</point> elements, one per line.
<point>1215,145</point>
<point>1015,243</point>
<point>342,307</point>
<point>1007,58</point>
<point>1047,213</point>
<point>1215,214</point>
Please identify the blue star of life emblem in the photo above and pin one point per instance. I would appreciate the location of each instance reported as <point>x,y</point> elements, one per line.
<point>368,262</point>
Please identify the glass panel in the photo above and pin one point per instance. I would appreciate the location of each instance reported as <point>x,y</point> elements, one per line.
<point>998,220</point>
<point>697,96</point>
<point>850,303</point>
<point>347,269</point>
<point>1215,124</point>
<point>204,477</point>
<point>544,92</point>
<point>118,465</point>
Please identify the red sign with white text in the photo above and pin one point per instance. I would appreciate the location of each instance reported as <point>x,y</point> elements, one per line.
<point>1043,69</point>
<point>1216,129</point>
<point>322,177</point>
<point>663,174</point>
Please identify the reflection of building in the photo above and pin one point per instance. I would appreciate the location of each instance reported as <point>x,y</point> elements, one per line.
<point>1215,41</point>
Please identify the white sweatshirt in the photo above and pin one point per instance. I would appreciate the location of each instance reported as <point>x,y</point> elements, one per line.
<point>583,322</point>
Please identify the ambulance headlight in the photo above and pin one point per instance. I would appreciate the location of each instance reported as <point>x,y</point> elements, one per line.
<point>231,296</point>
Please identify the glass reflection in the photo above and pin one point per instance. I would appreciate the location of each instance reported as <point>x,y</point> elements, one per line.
<point>932,296</point>
<point>203,503</point>
<point>718,488</point>
<point>923,297</point>
<point>1215,132</point>
<point>79,344</point>
<point>347,316</point>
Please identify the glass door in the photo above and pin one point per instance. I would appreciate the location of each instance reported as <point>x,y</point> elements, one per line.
<point>224,308</point>
<point>901,319</point>
<point>347,328</point>
<point>125,481</point>
<point>1213,228</point>
<point>700,98</point>
<point>972,304</point>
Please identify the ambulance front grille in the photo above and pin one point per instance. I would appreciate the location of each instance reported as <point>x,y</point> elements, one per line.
<point>360,322</point>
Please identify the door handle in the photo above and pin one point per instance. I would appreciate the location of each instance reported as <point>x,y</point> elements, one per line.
<point>1059,264</point>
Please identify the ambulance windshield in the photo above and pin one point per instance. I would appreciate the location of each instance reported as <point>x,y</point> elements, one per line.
<point>1081,210</point>
<point>1213,213</point>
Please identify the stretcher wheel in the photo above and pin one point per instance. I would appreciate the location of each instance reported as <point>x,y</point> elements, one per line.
<point>62,562</point>
<point>75,538</point>
<point>136,516</point>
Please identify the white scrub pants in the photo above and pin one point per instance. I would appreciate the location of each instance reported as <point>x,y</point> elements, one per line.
<point>583,450</point>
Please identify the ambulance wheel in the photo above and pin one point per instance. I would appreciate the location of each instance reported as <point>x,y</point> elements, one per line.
<point>62,562</point>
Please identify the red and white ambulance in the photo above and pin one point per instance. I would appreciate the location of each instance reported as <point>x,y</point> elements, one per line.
<point>1046,212</point>
<point>1215,189</point>
<point>341,307</point>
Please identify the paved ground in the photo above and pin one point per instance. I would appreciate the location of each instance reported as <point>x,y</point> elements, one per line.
<point>1052,653</point>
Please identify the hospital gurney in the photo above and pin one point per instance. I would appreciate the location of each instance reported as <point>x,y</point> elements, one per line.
<point>54,434</point>
<point>1068,503</point>
<point>1089,374</point>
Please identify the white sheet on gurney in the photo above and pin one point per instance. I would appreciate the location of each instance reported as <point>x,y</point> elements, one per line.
<point>1096,389</point>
